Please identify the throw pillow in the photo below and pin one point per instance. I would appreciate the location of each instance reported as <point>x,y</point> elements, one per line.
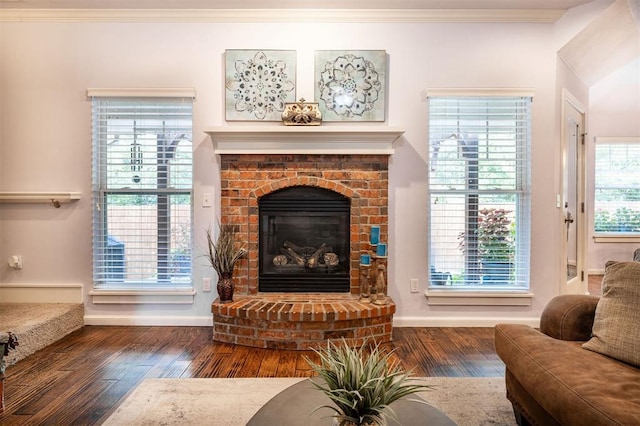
<point>616,326</point>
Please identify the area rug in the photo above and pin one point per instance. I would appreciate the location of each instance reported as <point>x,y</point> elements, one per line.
<point>232,402</point>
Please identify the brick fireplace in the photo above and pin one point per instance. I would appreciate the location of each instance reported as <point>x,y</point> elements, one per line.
<point>255,163</point>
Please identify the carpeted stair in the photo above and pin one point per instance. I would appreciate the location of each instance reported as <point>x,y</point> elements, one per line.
<point>38,325</point>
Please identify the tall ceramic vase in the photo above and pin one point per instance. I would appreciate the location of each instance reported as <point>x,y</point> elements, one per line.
<point>225,287</point>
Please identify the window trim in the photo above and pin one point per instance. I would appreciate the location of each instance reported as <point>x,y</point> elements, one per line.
<point>137,293</point>
<point>151,92</point>
<point>485,92</point>
<point>475,295</point>
<point>142,297</point>
<point>613,237</point>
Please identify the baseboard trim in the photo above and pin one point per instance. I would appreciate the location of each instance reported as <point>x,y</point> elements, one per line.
<point>408,321</point>
<point>151,320</point>
<point>398,321</point>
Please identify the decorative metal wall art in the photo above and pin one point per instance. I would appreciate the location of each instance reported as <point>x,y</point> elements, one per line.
<point>350,84</point>
<point>258,84</point>
<point>302,114</point>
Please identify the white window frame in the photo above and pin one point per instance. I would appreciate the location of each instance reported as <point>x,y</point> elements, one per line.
<point>162,291</point>
<point>492,295</point>
<point>612,236</point>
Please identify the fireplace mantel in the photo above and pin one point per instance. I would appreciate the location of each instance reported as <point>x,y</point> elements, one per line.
<point>279,139</point>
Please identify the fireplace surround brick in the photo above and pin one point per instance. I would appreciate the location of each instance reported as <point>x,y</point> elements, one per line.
<point>247,177</point>
<point>249,320</point>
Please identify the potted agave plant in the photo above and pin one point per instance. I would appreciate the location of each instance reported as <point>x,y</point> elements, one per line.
<point>362,383</point>
<point>223,254</point>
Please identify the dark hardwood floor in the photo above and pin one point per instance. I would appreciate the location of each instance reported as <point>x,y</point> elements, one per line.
<point>82,378</point>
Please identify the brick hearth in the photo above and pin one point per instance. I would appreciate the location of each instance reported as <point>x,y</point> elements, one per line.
<point>302,320</point>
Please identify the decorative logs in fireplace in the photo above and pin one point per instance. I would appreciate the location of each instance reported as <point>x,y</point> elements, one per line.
<point>308,257</point>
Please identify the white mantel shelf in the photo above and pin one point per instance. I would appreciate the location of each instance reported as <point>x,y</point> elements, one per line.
<point>304,139</point>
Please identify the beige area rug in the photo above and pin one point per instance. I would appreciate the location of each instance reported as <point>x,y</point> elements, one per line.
<point>38,324</point>
<point>232,402</point>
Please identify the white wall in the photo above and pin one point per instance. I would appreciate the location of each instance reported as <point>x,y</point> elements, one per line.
<point>45,134</point>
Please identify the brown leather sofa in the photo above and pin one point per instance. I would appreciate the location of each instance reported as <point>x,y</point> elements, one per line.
<point>552,380</point>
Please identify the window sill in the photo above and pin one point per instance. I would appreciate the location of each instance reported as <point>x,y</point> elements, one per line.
<point>138,297</point>
<point>617,238</point>
<point>478,298</point>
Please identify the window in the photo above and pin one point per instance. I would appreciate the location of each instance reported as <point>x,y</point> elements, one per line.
<point>142,192</point>
<point>479,210</point>
<point>617,187</point>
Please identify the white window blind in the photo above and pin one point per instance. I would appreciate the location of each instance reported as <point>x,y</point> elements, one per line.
<point>617,186</point>
<point>142,193</point>
<point>479,212</point>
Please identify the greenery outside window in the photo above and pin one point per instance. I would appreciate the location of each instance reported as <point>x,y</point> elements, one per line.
<point>142,193</point>
<point>479,210</point>
<point>617,187</point>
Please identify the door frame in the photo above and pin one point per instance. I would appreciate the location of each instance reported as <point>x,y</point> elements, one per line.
<point>580,284</point>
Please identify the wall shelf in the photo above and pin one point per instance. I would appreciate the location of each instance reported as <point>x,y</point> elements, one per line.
<point>55,198</point>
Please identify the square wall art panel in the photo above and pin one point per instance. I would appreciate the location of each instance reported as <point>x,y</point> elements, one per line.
<point>350,84</point>
<point>258,83</point>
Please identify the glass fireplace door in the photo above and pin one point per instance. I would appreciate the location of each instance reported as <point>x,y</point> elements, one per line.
<point>304,241</point>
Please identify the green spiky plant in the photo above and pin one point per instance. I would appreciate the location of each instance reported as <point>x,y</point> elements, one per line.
<point>225,251</point>
<point>362,382</point>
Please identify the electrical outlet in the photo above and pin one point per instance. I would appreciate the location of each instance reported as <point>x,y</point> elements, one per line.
<point>206,284</point>
<point>15,261</point>
<point>206,199</point>
<point>413,283</point>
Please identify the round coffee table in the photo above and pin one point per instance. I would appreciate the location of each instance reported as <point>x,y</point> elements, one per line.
<point>295,405</point>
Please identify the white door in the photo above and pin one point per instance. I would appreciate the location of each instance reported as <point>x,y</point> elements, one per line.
<point>573,198</point>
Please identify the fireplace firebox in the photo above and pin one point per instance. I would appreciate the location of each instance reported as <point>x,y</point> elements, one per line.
<point>304,241</point>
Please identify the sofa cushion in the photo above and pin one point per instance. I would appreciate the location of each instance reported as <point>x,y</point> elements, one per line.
<point>569,317</point>
<point>617,319</point>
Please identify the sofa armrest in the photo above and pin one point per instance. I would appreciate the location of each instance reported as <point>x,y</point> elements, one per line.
<point>569,317</point>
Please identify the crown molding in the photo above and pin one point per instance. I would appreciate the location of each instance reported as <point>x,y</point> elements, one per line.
<point>282,15</point>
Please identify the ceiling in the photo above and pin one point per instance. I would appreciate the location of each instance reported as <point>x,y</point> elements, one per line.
<point>293,4</point>
<point>606,44</point>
